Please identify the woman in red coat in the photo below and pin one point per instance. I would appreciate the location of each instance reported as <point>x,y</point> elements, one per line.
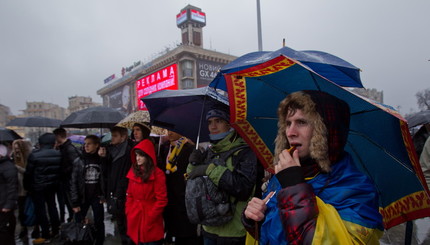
<point>146,196</point>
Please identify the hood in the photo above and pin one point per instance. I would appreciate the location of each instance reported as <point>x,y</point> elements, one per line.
<point>146,146</point>
<point>47,139</point>
<point>331,125</point>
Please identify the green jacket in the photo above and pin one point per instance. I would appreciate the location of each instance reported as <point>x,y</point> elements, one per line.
<point>238,181</point>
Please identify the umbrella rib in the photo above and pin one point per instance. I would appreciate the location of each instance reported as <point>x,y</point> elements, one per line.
<point>380,147</point>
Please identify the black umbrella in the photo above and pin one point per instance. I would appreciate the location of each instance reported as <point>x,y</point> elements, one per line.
<point>418,118</point>
<point>8,135</point>
<point>34,122</point>
<point>93,117</point>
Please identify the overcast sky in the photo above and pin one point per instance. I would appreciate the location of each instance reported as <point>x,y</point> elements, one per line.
<point>51,50</point>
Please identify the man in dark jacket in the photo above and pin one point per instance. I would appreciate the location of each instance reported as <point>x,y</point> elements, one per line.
<point>68,155</point>
<point>8,197</point>
<point>116,160</point>
<point>41,178</point>
<point>87,187</point>
<point>173,161</point>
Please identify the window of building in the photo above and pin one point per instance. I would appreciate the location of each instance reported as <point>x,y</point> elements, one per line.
<point>187,68</point>
<point>187,83</point>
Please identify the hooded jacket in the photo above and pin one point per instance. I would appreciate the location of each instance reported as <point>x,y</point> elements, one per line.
<point>44,166</point>
<point>145,200</point>
<point>236,178</point>
<point>327,180</point>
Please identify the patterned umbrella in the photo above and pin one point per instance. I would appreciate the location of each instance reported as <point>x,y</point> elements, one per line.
<point>378,141</point>
<point>142,118</point>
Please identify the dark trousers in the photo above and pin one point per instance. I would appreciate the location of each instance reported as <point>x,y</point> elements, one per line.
<point>63,199</point>
<point>21,207</point>
<point>40,199</point>
<point>7,227</point>
<point>98,211</point>
<point>121,221</point>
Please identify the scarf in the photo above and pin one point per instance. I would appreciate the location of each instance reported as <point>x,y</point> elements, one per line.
<point>173,155</point>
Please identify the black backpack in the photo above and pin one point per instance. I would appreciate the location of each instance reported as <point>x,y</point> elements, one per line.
<point>205,203</point>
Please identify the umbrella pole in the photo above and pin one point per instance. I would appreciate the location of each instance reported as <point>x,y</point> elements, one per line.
<point>200,123</point>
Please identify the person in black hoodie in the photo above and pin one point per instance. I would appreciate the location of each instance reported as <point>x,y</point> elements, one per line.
<point>41,178</point>
<point>87,186</point>
<point>8,197</point>
<point>116,160</point>
<point>69,153</point>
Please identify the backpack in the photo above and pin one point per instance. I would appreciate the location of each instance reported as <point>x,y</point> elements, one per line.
<point>205,203</point>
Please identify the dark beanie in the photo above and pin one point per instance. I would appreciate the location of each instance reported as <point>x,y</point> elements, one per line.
<point>47,139</point>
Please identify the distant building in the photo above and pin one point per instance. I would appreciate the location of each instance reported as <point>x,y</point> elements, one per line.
<point>4,115</point>
<point>43,109</point>
<point>77,103</point>
<point>372,94</point>
<point>188,65</point>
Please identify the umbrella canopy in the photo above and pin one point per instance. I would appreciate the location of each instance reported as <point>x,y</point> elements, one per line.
<point>327,65</point>
<point>418,118</point>
<point>34,122</point>
<point>183,111</point>
<point>8,135</point>
<point>93,117</point>
<point>378,140</point>
<point>135,117</point>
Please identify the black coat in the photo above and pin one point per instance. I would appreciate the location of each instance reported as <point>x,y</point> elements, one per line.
<point>175,213</point>
<point>69,153</point>
<point>115,169</point>
<point>77,181</point>
<point>8,184</point>
<point>43,169</point>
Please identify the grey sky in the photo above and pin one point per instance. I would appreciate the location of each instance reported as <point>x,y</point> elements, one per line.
<point>51,50</point>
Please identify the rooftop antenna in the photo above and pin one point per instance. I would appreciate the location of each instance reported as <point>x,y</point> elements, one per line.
<point>283,42</point>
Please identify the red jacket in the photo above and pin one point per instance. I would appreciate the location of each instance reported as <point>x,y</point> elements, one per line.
<point>145,201</point>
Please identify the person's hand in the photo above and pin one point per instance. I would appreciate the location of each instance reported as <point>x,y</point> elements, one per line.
<point>197,171</point>
<point>77,209</point>
<point>286,160</point>
<point>196,157</point>
<point>257,207</point>
<point>102,152</point>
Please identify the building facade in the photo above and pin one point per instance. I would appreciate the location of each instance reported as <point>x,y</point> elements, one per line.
<point>186,66</point>
<point>77,103</point>
<point>4,115</point>
<point>43,109</point>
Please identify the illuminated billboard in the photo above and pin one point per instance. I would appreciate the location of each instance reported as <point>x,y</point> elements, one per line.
<point>198,16</point>
<point>166,78</point>
<point>181,17</point>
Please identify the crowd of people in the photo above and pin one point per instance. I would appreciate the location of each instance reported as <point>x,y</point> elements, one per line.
<point>319,195</point>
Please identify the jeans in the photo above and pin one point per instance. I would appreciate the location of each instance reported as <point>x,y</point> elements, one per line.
<point>98,211</point>
<point>40,199</point>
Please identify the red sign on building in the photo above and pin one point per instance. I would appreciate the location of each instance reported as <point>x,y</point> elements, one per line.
<point>166,78</point>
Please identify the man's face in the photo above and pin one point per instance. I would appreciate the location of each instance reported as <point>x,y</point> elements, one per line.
<point>172,136</point>
<point>218,125</point>
<point>90,147</point>
<point>117,138</point>
<point>299,132</point>
<point>137,133</point>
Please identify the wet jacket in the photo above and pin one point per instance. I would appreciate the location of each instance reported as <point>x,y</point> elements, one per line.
<point>8,184</point>
<point>115,169</point>
<point>77,182</point>
<point>175,213</point>
<point>238,179</point>
<point>43,169</point>
<point>69,153</point>
<point>145,201</point>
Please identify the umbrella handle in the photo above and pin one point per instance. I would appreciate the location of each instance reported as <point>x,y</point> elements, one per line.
<point>200,123</point>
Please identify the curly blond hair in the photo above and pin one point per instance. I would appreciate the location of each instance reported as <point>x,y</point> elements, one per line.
<point>319,141</point>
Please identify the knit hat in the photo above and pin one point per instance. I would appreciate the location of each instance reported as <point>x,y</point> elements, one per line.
<point>3,150</point>
<point>47,139</point>
<point>223,114</point>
